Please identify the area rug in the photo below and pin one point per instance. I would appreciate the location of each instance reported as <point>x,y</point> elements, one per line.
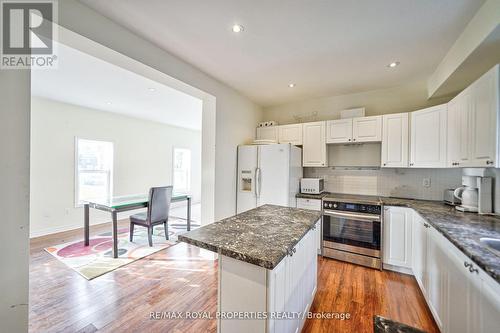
<point>96,259</point>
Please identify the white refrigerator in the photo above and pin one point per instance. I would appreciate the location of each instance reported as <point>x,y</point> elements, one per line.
<point>268,174</point>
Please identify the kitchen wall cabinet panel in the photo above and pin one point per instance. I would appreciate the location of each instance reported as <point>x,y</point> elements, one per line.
<point>472,127</point>
<point>459,113</point>
<point>290,134</point>
<point>484,99</point>
<point>362,129</point>
<point>339,131</point>
<point>267,133</point>
<point>398,236</point>
<point>428,137</point>
<point>395,140</point>
<point>367,129</point>
<point>314,152</point>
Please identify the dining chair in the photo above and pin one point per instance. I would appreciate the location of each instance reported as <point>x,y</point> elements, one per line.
<point>157,213</point>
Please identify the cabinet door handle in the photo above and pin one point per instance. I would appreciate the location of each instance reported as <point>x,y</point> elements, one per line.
<point>349,139</point>
<point>385,164</point>
<point>489,162</point>
<point>473,270</point>
<point>353,139</point>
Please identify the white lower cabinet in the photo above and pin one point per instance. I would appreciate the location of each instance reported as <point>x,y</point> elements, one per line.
<point>397,236</point>
<point>292,285</point>
<point>461,296</point>
<point>313,204</point>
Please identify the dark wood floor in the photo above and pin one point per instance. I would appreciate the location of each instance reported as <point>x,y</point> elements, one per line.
<point>184,278</point>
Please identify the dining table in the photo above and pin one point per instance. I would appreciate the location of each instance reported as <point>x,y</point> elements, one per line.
<point>118,204</point>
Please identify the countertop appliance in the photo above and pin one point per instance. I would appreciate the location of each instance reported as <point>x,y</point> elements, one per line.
<point>449,197</point>
<point>352,231</point>
<point>475,194</point>
<point>312,185</point>
<point>268,174</point>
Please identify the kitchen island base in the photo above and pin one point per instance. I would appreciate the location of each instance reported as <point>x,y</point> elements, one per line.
<point>252,298</point>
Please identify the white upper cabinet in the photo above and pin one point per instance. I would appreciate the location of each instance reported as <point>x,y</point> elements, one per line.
<point>367,129</point>
<point>484,109</point>
<point>267,133</point>
<point>428,137</point>
<point>363,129</point>
<point>290,134</point>
<point>314,152</point>
<point>458,130</point>
<point>472,124</point>
<point>339,131</point>
<point>395,140</point>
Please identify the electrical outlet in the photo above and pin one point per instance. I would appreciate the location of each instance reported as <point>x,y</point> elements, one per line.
<point>426,182</point>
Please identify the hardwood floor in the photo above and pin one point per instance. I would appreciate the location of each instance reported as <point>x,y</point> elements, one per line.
<point>184,278</point>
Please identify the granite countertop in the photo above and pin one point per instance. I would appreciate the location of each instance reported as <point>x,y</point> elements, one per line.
<point>312,196</point>
<point>384,325</point>
<point>461,229</point>
<point>262,236</point>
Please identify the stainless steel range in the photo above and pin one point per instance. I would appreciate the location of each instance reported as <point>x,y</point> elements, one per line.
<point>352,231</point>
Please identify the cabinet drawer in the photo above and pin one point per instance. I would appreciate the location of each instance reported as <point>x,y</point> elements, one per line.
<point>313,204</point>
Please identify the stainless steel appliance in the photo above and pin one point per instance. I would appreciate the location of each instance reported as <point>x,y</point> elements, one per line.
<point>312,185</point>
<point>352,232</point>
<point>449,197</point>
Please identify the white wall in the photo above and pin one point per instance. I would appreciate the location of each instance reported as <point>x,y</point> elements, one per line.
<point>405,183</point>
<point>236,115</point>
<point>142,158</point>
<point>404,98</point>
<point>14,199</point>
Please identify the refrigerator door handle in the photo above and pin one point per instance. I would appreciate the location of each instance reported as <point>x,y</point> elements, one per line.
<point>257,182</point>
<point>260,181</point>
<point>255,189</point>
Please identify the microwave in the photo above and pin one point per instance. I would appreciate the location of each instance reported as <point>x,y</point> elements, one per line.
<point>312,185</point>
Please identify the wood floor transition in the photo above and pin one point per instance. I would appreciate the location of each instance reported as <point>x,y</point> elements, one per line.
<point>184,278</point>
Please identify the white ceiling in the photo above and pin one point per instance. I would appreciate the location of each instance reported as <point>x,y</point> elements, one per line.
<point>326,47</point>
<point>84,80</point>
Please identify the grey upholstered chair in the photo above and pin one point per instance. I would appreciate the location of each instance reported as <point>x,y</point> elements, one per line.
<point>157,213</point>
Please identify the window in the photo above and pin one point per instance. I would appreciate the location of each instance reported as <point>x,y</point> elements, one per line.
<point>182,170</point>
<point>94,169</point>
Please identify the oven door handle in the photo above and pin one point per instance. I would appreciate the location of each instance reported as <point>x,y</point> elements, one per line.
<point>361,217</point>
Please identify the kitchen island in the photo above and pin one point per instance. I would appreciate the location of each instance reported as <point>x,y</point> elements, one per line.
<point>267,267</point>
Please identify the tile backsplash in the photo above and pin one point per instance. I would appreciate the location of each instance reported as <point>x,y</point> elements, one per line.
<point>406,183</point>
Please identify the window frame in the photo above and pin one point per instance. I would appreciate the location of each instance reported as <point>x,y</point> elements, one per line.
<point>188,190</point>
<point>76,170</point>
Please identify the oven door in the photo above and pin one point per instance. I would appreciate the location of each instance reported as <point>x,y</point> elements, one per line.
<point>353,232</point>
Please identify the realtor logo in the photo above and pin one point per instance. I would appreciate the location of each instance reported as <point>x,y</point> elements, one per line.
<point>27,34</point>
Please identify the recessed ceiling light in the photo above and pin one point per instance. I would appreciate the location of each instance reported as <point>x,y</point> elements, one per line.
<point>237,28</point>
<point>151,89</point>
<point>291,85</point>
<point>109,103</point>
<point>393,64</point>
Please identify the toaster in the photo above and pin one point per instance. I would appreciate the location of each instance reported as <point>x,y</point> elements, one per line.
<point>450,199</point>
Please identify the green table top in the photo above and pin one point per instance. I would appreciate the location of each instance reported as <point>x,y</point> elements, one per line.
<point>130,200</point>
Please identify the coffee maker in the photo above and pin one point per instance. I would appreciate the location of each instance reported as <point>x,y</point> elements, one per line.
<point>475,194</point>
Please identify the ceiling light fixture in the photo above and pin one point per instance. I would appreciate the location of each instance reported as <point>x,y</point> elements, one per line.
<point>393,64</point>
<point>291,85</point>
<point>151,89</point>
<point>237,28</point>
<point>109,103</point>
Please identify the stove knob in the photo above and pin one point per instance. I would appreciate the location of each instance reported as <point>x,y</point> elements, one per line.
<point>334,206</point>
